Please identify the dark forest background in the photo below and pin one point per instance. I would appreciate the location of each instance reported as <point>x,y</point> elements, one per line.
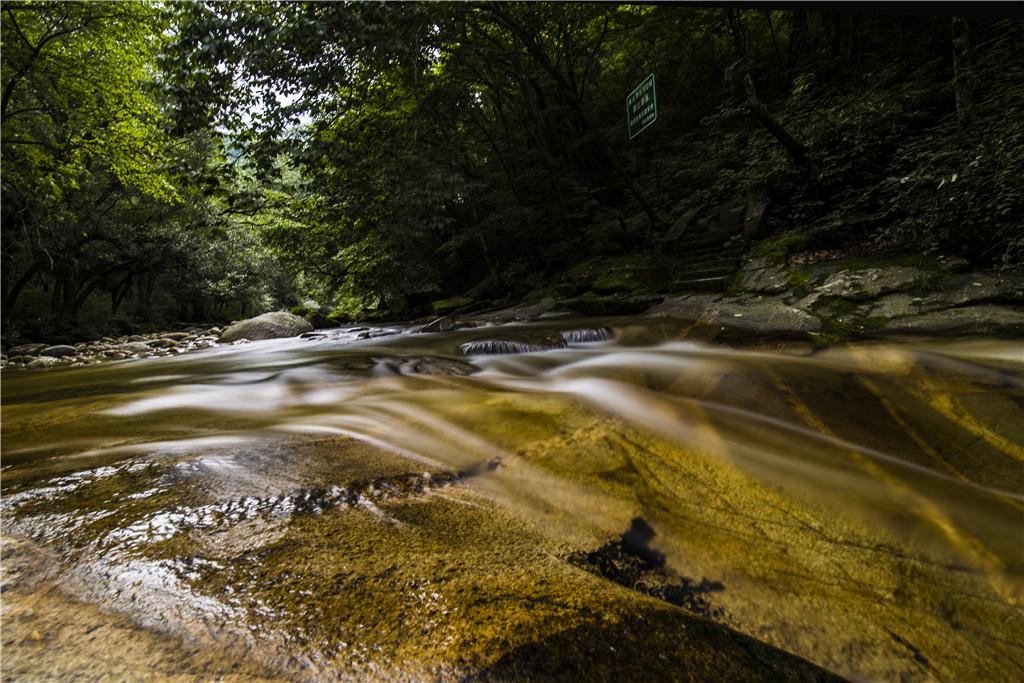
<point>176,162</point>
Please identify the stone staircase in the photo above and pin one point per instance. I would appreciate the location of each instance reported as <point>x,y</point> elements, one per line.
<point>706,264</point>
<point>705,244</point>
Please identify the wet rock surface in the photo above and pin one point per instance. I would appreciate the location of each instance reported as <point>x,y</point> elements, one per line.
<point>636,508</point>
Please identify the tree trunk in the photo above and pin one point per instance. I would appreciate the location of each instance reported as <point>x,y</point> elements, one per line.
<point>118,293</point>
<point>11,296</point>
<point>797,38</point>
<point>69,300</point>
<point>739,38</point>
<point>796,150</point>
<point>963,89</point>
<point>767,13</point>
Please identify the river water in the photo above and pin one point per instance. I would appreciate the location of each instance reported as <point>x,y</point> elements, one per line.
<point>374,504</point>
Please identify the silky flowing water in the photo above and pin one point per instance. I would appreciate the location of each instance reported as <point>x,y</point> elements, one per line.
<point>375,504</point>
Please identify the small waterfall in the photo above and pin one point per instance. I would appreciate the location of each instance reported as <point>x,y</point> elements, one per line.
<point>588,334</point>
<point>506,346</point>
<point>537,343</point>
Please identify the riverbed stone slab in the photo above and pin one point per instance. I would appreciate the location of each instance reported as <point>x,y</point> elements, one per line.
<point>864,284</point>
<point>687,306</point>
<point>755,318</point>
<point>988,319</point>
<point>762,276</point>
<point>978,288</point>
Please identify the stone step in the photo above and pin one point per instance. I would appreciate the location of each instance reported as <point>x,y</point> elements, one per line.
<point>704,284</point>
<point>714,250</point>
<point>712,271</point>
<point>711,261</point>
<point>689,243</point>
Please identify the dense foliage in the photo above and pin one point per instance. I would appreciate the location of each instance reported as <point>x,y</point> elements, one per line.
<point>371,157</point>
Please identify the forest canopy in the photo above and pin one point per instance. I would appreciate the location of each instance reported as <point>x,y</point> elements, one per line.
<point>204,161</point>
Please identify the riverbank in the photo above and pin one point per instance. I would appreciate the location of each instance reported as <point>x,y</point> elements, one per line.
<point>823,302</point>
<point>127,347</point>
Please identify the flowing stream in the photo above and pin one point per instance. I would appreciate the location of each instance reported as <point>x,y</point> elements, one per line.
<point>375,504</point>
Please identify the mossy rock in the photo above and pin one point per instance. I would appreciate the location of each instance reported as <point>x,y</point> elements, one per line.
<point>593,303</point>
<point>558,291</point>
<point>451,305</point>
<point>314,317</point>
<point>339,317</point>
<point>616,282</point>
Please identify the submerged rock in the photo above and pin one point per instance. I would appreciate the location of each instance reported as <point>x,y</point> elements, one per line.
<point>274,325</point>
<point>426,365</point>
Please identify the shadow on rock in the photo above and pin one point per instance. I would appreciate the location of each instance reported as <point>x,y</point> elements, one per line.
<point>659,644</point>
<point>631,562</point>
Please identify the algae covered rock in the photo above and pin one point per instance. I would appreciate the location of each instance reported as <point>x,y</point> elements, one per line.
<point>273,325</point>
<point>445,306</point>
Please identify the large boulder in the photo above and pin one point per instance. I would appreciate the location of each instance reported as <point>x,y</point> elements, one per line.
<point>274,325</point>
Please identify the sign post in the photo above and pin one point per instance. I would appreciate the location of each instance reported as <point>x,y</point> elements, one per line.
<point>641,107</point>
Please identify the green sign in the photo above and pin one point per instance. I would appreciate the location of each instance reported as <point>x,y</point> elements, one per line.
<point>641,107</point>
